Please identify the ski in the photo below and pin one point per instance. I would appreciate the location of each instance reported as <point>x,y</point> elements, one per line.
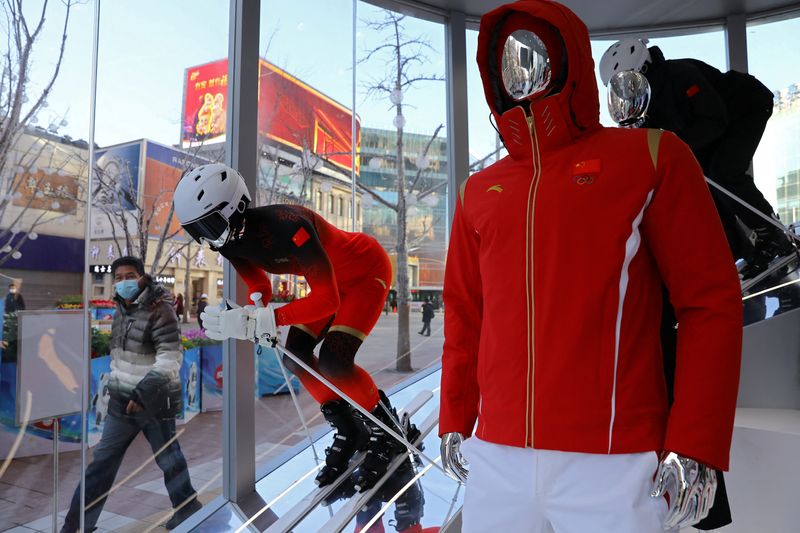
<point>304,507</point>
<point>774,267</point>
<point>346,514</point>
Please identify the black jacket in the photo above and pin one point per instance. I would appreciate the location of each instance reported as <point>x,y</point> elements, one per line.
<point>14,303</point>
<point>698,102</point>
<point>146,355</point>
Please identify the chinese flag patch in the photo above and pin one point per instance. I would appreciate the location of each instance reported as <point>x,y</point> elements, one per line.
<point>590,166</point>
<point>693,90</point>
<point>301,237</point>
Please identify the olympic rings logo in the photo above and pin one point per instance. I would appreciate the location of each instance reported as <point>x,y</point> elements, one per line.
<point>583,180</point>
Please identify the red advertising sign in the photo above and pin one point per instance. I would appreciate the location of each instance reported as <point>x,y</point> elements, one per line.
<point>290,112</point>
<point>205,106</point>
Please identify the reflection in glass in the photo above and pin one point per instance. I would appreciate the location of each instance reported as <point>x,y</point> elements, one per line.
<point>43,198</point>
<point>776,164</point>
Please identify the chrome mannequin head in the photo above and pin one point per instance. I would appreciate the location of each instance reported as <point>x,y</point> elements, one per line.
<point>525,68</point>
<point>528,61</point>
<point>628,98</point>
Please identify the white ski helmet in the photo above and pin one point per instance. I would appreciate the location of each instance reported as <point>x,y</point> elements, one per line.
<point>205,200</point>
<point>627,54</point>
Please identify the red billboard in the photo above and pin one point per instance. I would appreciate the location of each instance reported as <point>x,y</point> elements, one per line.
<point>204,105</point>
<point>290,112</point>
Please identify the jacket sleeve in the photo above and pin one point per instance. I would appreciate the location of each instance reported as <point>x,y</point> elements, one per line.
<point>683,232</point>
<point>708,115</point>
<point>166,337</point>
<point>463,301</point>
<point>255,277</point>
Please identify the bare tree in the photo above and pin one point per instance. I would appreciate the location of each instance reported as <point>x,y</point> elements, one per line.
<point>20,105</point>
<point>403,56</point>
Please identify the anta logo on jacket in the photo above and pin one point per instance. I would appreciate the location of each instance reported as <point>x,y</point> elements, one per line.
<point>554,287</point>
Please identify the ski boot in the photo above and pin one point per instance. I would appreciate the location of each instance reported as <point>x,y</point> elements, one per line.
<point>382,447</point>
<point>769,243</point>
<point>351,435</point>
<point>410,506</point>
<point>788,299</point>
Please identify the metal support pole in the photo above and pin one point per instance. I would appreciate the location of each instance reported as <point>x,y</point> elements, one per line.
<point>736,42</point>
<point>457,110</point>
<point>241,153</point>
<point>87,339</point>
<point>55,474</point>
<point>353,122</point>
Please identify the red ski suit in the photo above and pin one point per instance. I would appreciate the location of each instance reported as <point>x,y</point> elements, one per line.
<point>554,280</point>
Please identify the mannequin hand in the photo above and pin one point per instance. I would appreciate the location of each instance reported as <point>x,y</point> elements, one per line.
<point>452,460</point>
<point>236,323</point>
<point>691,487</point>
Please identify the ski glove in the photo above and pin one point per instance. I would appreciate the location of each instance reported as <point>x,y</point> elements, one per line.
<point>245,323</point>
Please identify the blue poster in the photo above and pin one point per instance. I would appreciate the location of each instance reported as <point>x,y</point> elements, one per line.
<point>190,383</point>
<point>211,363</point>
<point>269,377</point>
<point>118,176</point>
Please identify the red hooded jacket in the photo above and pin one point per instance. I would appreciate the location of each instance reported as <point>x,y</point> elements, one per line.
<point>553,286</point>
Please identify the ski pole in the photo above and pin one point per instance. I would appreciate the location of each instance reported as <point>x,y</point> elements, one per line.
<point>772,221</point>
<point>273,341</point>
<point>256,297</point>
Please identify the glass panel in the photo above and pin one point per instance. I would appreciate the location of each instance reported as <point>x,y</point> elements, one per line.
<point>777,161</point>
<point>306,160</point>
<point>776,164</point>
<point>416,115</point>
<point>158,114</point>
<point>44,164</point>
<point>484,142</point>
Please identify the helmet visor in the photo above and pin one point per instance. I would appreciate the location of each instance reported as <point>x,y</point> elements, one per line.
<point>212,228</point>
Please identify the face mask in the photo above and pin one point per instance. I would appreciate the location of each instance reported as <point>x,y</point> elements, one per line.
<point>127,289</point>
<point>12,290</point>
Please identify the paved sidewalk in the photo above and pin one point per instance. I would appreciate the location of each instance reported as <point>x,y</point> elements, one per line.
<point>139,502</point>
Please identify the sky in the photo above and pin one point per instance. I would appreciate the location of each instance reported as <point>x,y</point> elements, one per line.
<point>144,52</point>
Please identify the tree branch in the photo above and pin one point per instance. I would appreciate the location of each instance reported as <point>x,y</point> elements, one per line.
<point>377,197</point>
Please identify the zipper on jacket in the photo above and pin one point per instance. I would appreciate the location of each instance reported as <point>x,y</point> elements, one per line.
<point>127,330</point>
<point>529,268</point>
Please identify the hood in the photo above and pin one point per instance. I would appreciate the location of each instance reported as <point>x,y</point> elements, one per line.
<point>563,117</point>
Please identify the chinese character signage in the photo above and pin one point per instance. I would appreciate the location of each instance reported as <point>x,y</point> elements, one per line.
<point>101,269</point>
<point>47,189</point>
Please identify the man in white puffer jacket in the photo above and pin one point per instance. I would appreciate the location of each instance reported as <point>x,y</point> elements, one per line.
<point>145,395</point>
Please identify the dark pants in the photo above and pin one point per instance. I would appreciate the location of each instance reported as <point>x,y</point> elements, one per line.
<point>426,327</point>
<point>118,434</point>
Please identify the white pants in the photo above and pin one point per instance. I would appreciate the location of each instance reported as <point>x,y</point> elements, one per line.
<point>521,490</point>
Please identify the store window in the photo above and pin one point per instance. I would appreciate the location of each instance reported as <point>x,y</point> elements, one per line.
<point>485,146</point>
<point>44,194</point>
<point>776,164</point>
